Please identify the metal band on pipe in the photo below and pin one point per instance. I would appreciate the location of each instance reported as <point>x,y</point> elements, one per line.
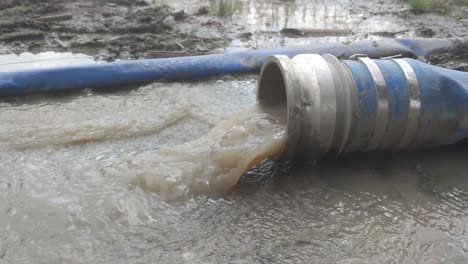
<point>414,109</point>
<point>381,117</point>
<point>346,101</point>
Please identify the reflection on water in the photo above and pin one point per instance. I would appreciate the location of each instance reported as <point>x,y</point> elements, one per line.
<point>274,15</point>
<point>266,18</point>
<point>225,8</point>
<point>340,21</point>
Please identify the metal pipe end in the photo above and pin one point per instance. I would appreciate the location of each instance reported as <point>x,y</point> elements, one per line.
<point>277,84</point>
<point>316,91</point>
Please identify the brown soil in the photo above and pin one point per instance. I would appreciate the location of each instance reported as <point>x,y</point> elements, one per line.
<point>123,29</point>
<point>133,29</point>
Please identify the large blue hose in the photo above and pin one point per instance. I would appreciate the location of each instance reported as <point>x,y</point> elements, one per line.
<point>436,112</point>
<point>101,74</point>
<point>364,104</point>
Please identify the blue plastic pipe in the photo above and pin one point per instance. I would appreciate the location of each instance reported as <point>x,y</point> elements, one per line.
<point>365,104</point>
<point>90,74</point>
<point>430,110</point>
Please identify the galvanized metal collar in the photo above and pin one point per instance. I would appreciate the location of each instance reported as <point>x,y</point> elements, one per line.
<point>346,101</point>
<point>381,119</point>
<point>291,89</point>
<point>414,104</point>
<point>318,103</point>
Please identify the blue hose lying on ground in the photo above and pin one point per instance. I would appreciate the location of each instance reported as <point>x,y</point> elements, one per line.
<point>91,74</point>
<point>364,104</point>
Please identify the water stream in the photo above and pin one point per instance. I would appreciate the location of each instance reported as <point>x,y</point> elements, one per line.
<point>213,163</point>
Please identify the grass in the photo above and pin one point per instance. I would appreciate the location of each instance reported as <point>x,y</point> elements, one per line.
<point>422,5</point>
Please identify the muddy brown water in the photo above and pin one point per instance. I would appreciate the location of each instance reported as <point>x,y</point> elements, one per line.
<point>67,195</point>
<point>71,203</point>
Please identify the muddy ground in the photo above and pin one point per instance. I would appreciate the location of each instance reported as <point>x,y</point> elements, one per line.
<point>58,206</point>
<point>132,29</point>
<point>109,30</point>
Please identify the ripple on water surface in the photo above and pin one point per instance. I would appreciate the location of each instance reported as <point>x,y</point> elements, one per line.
<point>57,204</point>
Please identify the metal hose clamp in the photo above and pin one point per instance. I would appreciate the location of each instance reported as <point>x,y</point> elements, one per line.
<point>414,104</point>
<point>381,116</point>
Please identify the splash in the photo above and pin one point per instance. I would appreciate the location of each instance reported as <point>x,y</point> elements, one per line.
<point>213,163</point>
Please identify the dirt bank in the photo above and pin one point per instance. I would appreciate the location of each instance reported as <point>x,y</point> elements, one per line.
<point>121,29</point>
<point>131,29</point>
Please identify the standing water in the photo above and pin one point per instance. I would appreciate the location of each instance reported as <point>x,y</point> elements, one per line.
<point>79,174</point>
<point>73,167</point>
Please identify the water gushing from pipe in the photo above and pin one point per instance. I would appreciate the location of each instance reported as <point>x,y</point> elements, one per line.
<point>213,163</point>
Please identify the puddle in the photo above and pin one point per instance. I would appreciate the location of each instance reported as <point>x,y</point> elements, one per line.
<point>73,203</point>
<point>287,23</point>
<point>272,16</point>
<point>64,199</point>
<point>265,19</point>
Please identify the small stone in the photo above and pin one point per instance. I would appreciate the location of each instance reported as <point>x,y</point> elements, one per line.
<point>179,15</point>
<point>245,35</point>
<point>204,10</point>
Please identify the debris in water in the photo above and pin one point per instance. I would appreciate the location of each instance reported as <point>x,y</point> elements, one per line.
<point>308,32</point>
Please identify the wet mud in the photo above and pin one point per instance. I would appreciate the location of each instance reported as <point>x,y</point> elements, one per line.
<point>65,199</point>
<point>131,29</point>
<point>108,30</point>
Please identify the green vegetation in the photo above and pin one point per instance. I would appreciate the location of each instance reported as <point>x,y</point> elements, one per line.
<point>422,5</point>
<point>225,9</point>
